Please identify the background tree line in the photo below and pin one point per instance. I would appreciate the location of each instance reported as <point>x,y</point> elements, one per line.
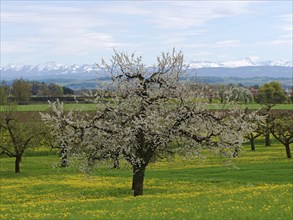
<point>268,93</point>
<point>22,90</point>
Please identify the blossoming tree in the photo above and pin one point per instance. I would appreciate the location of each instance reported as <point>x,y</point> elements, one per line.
<point>149,111</point>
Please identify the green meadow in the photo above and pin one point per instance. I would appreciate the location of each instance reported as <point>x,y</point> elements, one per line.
<point>45,107</point>
<point>92,107</point>
<point>256,185</point>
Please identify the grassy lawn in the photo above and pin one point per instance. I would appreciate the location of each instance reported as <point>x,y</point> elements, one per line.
<point>256,106</point>
<point>278,106</point>
<point>92,107</point>
<point>257,185</point>
<point>45,107</point>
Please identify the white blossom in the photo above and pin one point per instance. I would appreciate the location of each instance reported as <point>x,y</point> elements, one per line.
<point>150,110</point>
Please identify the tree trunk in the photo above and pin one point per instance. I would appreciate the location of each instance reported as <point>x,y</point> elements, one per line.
<point>236,150</point>
<point>116,162</point>
<point>138,178</point>
<point>288,151</point>
<point>133,172</point>
<point>268,139</point>
<point>64,160</point>
<point>252,144</point>
<point>17,163</point>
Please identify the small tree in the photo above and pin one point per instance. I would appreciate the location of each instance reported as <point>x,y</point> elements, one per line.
<point>271,93</point>
<point>151,108</point>
<point>267,111</point>
<point>282,129</point>
<point>57,136</point>
<point>4,90</point>
<point>223,94</point>
<point>16,136</point>
<point>67,91</point>
<point>78,134</point>
<point>55,90</point>
<point>257,124</point>
<point>241,95</point>
<point>21,90</point>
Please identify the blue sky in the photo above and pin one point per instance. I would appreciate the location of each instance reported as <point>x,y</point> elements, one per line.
<point>68,32</point>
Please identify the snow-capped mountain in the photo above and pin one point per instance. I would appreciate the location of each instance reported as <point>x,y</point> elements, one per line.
<point>49,69</point>
<point>248,67</point>
<point>249,61</point>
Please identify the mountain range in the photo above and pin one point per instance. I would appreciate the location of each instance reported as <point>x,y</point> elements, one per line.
<point>249,61</point>
<point>61,73</point>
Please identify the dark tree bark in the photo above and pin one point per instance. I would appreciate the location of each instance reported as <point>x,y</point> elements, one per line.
<point>267,139</point>
<point>116,163</point>
<point>133,180</point>
<point>64,159</point>
<point>252,136</point>
<point>286,141</point>
<point>288,151</point>
<point>252,144</point>
<point>138,178</point>
<point>17,163</point>
<point>236,151</point>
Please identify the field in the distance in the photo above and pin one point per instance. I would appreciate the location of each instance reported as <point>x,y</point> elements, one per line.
<point>257,185</point>
<point>92,107</point>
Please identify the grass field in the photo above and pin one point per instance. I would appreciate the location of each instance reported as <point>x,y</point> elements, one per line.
<point>91,107</point>
<point>257,185</point>
<point>45,107</point>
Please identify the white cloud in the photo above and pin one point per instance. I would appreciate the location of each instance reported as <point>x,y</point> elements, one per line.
<point>65,22</point>
<point>286,17</point>
<point>59,30</point>
<point>287,21</point>
<point>117,8</point>
<point>285,28</point>
<point>203,55</point>
<point>84,43</point>
<point>23,45</point>
<point>47,19</point>
<point>186,14</point>
<point>90,28</point>
<point>227,43</point>
<point>14,47</point>
<point>279,42</point>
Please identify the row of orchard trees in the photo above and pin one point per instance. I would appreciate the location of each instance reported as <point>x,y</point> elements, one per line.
<point>150,114</point>
<point>271,92</point>
<point>277,123</point>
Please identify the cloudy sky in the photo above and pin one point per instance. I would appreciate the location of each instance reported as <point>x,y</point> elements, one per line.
<point>68,32</point>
